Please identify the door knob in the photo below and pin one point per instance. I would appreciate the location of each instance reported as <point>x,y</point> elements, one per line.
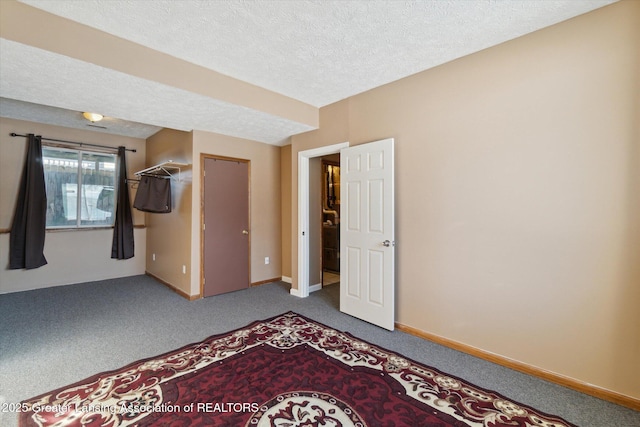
<point>245,232</point>
<point>387,243</point>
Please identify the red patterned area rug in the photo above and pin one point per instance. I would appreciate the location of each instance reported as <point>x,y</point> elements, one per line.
<point>285,371</point>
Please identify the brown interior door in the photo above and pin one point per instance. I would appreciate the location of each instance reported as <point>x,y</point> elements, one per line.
<point>226,226</point>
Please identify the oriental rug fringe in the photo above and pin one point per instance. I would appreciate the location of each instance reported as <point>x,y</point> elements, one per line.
<point>283,371</point>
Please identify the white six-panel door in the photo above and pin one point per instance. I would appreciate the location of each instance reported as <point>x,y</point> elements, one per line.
<point>367,232</point>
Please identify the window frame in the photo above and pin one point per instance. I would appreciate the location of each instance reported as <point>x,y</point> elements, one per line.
<point>80,152</point>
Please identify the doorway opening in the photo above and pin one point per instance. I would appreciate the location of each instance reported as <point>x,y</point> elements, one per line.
<point>367,238</point>
<point>330,235</point>
<point>304,225</point>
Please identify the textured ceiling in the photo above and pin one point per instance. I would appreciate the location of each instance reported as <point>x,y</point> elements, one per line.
<point>82,86</point>
<point>21,110</point>
<point>317,52</point>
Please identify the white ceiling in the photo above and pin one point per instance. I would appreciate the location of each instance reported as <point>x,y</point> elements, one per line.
<point>317,52</point>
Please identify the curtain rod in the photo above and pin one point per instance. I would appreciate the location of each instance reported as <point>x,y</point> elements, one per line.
<point>79,143</point>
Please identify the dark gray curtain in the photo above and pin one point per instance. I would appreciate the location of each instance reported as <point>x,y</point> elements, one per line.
<point>122,247</point>
<point>26,243</point>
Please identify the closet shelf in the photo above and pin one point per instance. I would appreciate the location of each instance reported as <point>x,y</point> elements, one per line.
<point>167,169</point>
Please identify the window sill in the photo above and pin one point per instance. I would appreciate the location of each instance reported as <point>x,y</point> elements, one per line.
<point>57,230</point>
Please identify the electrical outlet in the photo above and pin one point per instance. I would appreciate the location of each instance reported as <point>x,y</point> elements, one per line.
<point>266,260</point>
<point>184,269</point>
<point>153,257</point>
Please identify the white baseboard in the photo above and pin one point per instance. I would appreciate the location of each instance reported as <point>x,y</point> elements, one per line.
<point>312,288</point>
<point>286,279</point>
<point>315,287</point>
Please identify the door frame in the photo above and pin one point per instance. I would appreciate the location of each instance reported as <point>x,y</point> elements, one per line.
<point>303,214</point>
<point>203,157</point>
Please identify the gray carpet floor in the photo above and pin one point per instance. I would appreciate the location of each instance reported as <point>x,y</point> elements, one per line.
<point>57,336</point>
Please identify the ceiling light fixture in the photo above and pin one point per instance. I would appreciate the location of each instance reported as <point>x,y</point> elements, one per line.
<point>93,117</point>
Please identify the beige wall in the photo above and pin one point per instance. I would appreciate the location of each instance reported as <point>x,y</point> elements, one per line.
<point>334,129</point>
<point>174,238</point>
<point>518,196</point>
<point>73,256</point>
<point>169,235</point>
<point>285,208</point>
<point>265,228</point>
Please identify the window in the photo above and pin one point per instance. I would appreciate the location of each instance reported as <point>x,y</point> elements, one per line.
<point>80,187</point>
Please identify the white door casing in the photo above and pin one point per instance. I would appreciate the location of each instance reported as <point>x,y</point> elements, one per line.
<point>303,214</point>
<point>367,252</point>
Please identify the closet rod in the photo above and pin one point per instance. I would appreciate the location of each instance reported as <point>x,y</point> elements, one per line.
<point>79,143</point>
